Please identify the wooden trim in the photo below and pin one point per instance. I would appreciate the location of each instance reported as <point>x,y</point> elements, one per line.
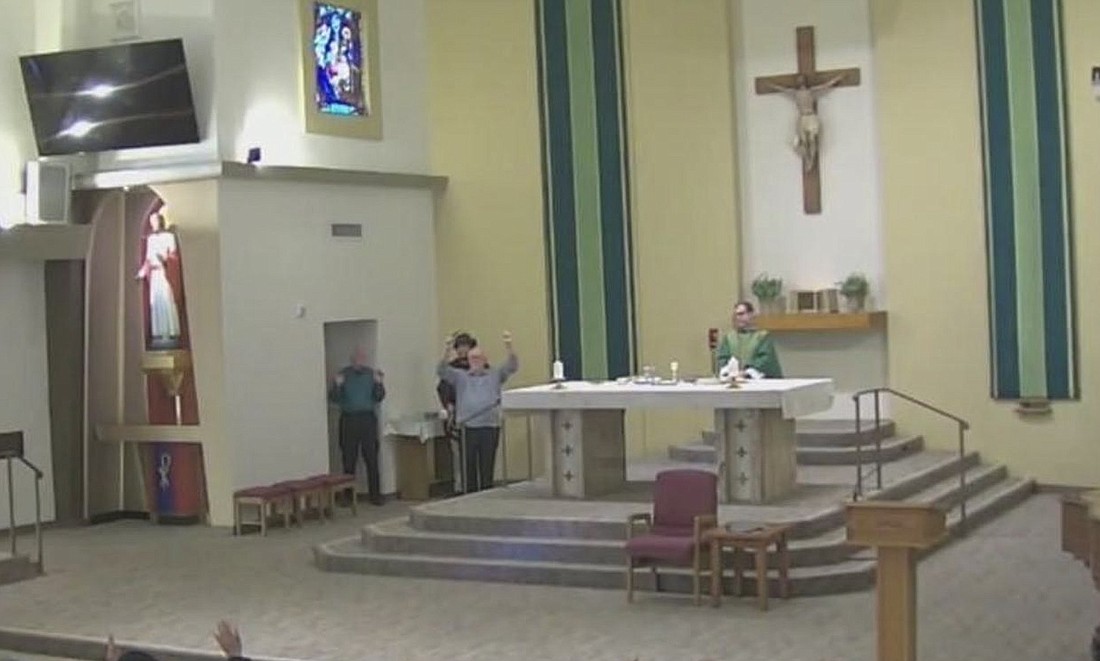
<point>149,433</point>
<point>820,321</point>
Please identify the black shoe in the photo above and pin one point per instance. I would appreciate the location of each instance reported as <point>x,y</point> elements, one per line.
<point>377,500</point>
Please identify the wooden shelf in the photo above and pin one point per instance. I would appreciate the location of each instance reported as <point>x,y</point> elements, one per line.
<point>822,321</point>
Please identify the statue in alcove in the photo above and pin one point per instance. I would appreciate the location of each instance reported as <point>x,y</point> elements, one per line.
<point>160,258</point>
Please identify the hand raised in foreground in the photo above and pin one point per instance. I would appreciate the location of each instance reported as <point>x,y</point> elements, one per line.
<point>229,639</point>
<point>112,653</point>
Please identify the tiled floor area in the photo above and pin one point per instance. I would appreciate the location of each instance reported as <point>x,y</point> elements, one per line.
<point>1006,593</point>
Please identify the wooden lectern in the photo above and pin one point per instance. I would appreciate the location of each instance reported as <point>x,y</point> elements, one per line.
<point>899,530</point>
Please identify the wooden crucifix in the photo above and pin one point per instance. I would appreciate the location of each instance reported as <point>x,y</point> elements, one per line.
<point>804,87</point>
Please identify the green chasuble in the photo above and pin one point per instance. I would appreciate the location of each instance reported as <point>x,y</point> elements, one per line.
<point>752,348</point>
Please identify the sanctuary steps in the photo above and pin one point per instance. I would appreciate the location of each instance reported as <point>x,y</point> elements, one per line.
<point>520,534</point>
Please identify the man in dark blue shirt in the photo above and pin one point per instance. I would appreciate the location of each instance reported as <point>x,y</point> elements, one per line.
<point>358,389</point>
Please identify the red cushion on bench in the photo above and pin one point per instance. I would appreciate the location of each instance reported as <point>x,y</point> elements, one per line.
<point>273,491</point>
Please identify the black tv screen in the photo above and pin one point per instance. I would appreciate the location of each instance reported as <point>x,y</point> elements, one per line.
<point>131,95</point>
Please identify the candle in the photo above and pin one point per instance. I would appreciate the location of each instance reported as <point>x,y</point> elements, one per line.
<point>559,371</point>
<point>674,367</point>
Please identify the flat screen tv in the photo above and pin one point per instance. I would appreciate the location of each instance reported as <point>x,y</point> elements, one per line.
<point>118,97</point>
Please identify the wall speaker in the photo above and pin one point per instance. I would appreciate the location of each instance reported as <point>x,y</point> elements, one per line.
<point>49,188</point>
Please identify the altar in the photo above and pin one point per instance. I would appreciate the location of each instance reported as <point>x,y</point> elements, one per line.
<point>586,451</point>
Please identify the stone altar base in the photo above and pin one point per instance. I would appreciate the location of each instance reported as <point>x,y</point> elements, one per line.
<point>522,534</point>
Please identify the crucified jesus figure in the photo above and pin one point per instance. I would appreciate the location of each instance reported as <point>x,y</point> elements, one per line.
<point>808,129</point>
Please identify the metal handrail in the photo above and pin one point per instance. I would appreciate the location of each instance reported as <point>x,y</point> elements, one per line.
<point>12,532</point>
<point>963,426</point>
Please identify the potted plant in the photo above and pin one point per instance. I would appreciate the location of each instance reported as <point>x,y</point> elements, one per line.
<point>855,288</point>
<point>766,289</point>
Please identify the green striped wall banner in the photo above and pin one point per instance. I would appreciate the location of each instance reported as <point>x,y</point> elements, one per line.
<point>1027,200</point>
<point>585,186</point>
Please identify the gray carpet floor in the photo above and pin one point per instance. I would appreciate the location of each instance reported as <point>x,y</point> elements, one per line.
<point>1007,592</point>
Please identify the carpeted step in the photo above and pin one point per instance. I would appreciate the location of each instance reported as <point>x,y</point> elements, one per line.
<point>814,455</point>
<point>16,568</point>
<point>840,433</point>
<point>349,556</point>
<point>695,453</point>
<point>397,537</point>
<point>892,449</point>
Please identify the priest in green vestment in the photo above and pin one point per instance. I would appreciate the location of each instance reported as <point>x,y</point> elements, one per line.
<point>753,349</point>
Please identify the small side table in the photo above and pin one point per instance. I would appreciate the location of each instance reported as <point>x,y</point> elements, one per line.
<point>754,541</point>
<point>423,455</point>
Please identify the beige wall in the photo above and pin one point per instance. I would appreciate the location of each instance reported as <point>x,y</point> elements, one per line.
<point>683,185</point>
<point>105,378</point>
<point>485,136</point>
<point>259,90</point>
<point>24,396</point>
<point>16,137</point>
<point>274,359</point>
<point>935,256</point>
<point>484,121</point>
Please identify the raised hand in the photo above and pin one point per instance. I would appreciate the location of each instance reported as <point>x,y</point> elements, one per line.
<point>228,638</point>
<point>507,335</point>
<point>113,653</point>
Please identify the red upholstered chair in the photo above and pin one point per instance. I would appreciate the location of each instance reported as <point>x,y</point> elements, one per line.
<point>685,505</point>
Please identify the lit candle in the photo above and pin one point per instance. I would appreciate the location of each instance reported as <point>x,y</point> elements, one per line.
<point>675,368</point>
<point>559,371</point>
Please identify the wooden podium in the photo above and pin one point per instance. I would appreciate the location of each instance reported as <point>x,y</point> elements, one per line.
<point>898,530</point>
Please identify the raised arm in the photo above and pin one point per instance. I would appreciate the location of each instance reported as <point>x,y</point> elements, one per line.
<point>379,389</point>
<point>828,83</point>
<point>511,363</point>
<point>336,388</point>
<point>444,370</point>
<point>777,88</point>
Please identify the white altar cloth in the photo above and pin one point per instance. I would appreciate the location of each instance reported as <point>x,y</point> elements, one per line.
<point>793,397</point>
<point>755,424</point>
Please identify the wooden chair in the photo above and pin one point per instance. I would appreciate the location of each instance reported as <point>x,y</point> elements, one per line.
<point>685,506</point>
<point>263,499</point>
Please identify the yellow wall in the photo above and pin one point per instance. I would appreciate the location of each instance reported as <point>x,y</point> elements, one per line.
<point>484,119</point>
<point>485,136</point>
<point>934,235</point>
<point>683,184</point>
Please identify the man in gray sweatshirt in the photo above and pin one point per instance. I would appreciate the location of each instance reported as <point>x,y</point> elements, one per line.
<point>477,408</point>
